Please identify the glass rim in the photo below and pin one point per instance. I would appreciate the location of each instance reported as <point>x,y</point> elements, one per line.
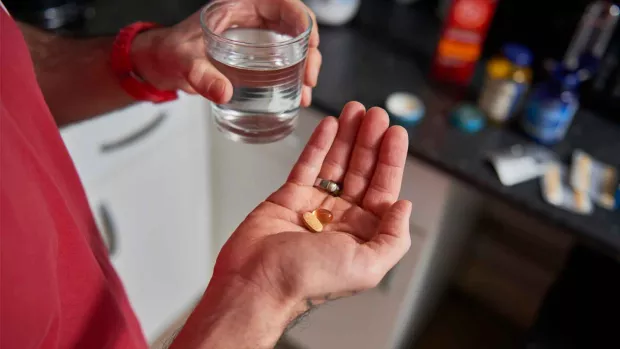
<point>293,40</point>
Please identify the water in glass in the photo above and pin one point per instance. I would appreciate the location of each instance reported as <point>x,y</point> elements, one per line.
<point>267,86</point>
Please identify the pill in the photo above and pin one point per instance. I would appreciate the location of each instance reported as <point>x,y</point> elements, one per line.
<point>312,222</point>
<point>607,201</point>
<point>581,201</point>
<point>325,216</point>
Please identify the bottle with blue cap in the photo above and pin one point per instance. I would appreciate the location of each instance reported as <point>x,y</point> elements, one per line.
<point>508,79</point>
<point>551,108</point>
<point>467,118</point>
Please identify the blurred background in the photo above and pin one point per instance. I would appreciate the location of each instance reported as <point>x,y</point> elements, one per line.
<point>513,113</point>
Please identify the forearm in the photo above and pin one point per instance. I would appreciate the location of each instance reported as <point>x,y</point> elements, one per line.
<point>231,317</point>
<point>74,75</point>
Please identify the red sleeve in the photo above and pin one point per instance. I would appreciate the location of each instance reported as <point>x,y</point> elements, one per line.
<point>58,288</point>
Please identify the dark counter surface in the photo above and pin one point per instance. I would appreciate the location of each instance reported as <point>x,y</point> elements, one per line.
<point>360,66</point>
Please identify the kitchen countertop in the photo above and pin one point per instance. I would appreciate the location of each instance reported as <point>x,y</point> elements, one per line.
<point>358,66</point>
<point>388,48</point>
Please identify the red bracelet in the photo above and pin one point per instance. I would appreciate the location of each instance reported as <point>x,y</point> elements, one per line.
<point>123,68</point>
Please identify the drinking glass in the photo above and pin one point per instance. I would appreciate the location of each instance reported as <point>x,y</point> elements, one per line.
<point>261,47</point>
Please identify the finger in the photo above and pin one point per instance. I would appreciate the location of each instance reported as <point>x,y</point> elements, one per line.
<point>187,88</point>
<point>209,82</point>
<point>377,256</point>
<point>337,159</point>
<point>307,168</point>
<point>364,155</point>
<point>313,65</point>
<point>306,96</point>
<point>388,176</point>
<point>314,34</point>
<point>291,15</point>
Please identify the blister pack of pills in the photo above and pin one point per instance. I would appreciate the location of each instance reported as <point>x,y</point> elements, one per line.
<point>521,163</point>
<point>557,192</point>
<point>597,179</point>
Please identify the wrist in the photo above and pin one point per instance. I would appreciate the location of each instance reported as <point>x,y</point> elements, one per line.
<point>143,54</point>
<point>236,314</point>
<point>128,53</point>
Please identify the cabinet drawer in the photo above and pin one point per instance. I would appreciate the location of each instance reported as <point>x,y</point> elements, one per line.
<point>100,145</point>
<point>154,215</point>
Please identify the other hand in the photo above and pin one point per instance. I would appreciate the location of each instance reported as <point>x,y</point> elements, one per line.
<point>272,251</point>
<point>175,58</point>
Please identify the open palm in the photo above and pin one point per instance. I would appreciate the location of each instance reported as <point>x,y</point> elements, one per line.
<point>369,232</point>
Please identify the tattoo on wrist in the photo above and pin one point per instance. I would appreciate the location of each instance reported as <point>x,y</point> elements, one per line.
<point>312,304</point>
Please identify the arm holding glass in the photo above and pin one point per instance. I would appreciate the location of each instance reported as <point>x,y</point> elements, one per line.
<point>78,83</point>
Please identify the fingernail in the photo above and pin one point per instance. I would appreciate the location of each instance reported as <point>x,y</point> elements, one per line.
<point>216,90</point>
<point>409,206</point>
<point>314,80</point>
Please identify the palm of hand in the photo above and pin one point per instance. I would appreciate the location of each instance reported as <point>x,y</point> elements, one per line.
<point>369,231</point>
<point>285,207</point>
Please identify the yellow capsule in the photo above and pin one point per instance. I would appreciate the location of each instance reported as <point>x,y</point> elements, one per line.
<point>312,222</point>
<point>325,216</point>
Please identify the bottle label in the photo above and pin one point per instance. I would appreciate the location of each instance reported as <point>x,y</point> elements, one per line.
<point>329,2</point>
<point>461,39</point>
<point>472,14</point>
<point>548,121</point>
<point>501,98</point>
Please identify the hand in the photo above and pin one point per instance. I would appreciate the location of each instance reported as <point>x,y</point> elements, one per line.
<point>174,58</point>
<point>272,268</point>
<point>272,250</point>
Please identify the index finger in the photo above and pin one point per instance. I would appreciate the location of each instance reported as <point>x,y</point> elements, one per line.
<point>314,34</point>
<point>295,15</point>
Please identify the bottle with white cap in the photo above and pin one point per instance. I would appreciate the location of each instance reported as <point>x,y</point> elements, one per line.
<point>334,12</point>
<point>405,109</point>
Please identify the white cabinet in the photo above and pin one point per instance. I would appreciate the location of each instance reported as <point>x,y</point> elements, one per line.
<point>103,144</point>
<point>152,203</point>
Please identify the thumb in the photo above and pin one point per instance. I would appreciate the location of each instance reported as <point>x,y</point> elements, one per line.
<point>209,82</point>
<point>393,239</point>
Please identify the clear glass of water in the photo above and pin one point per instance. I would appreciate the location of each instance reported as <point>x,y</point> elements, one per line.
<point>261,47</point>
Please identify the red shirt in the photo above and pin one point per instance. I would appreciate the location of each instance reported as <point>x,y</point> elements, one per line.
<point>57,286</point>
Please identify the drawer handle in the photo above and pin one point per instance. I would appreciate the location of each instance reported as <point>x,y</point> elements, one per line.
<point>136,136</point>
<point>108,229</point>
